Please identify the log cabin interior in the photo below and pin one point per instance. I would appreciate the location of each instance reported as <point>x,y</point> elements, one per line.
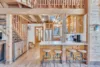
<point>54,32</point>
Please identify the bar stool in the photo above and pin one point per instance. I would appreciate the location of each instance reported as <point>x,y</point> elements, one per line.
<point>80,58</point>
<point>82,52</point>
<point>57,57</point>
<point>72,54</point>
<point>46,58</point>
<point>71,57</point>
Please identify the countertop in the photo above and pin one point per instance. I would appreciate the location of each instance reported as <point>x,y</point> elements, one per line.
<point>2,41</point>
<point>60,43</point>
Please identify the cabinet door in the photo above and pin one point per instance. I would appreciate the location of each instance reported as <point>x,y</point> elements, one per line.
<point>1,52</point>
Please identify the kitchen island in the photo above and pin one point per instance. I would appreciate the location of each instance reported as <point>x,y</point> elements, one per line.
<point>58,45</point>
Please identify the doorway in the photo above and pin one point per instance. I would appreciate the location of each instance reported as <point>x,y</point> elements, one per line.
<point>38,34</point>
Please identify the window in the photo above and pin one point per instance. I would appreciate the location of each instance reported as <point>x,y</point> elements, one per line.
<point>56,31</point>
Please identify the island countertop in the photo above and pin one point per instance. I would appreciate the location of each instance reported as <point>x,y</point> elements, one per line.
<point>59,43</point>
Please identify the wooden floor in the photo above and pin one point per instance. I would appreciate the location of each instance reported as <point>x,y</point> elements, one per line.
<point>31,59</point>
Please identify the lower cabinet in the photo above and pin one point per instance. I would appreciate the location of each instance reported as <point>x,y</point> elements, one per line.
<point>2,52</point>
<point>19,49</point>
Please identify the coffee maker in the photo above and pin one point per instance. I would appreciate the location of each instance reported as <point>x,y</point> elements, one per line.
<point>76,38</point>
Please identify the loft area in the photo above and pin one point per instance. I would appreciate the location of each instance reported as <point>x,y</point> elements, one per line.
<point>75,4</point>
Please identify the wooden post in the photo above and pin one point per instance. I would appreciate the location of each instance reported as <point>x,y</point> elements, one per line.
<point>44,37</point>
<point>9,39</point>
<point>64,31</point>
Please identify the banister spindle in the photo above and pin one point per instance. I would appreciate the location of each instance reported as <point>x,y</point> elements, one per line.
<point>44,3</point>
<point>58,3</point>
<point>72,4</point>
<point>65,3</point>
<point>39,3</point>
<point>80,3</point>
<point>54,3</point>
<point>61,3</point>
<point>48,1</point>
<point>68,3</point>
<point>83,3</point>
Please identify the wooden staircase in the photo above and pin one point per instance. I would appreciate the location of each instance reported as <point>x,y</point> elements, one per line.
<point>16,37</point>
<point>3,23</point>
<point>19,29</point>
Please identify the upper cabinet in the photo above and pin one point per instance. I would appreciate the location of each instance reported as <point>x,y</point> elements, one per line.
<point>60,3</point>
<point>75,24</point>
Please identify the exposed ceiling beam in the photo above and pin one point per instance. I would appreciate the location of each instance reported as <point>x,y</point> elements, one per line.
<point>38,11</point>
<point>32,18</point>
<point>26,18</point>
<point>4,4</point>
<point>37,17</point>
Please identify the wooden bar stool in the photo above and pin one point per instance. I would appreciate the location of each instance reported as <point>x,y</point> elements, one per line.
<point>46,58</point>
<point>80,58</point>
<point>57,57</point>
<point>71,57</point>
<point>72,54</point>
<point>82,52</point>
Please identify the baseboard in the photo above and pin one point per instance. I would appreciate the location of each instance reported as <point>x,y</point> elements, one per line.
<point>94,63</point>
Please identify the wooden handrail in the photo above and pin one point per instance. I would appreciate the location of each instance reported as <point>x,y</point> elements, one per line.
<point>60,3</point>
<point>19,27</point>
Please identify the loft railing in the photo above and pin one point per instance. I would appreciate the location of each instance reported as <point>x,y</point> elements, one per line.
<point>60,3</point>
